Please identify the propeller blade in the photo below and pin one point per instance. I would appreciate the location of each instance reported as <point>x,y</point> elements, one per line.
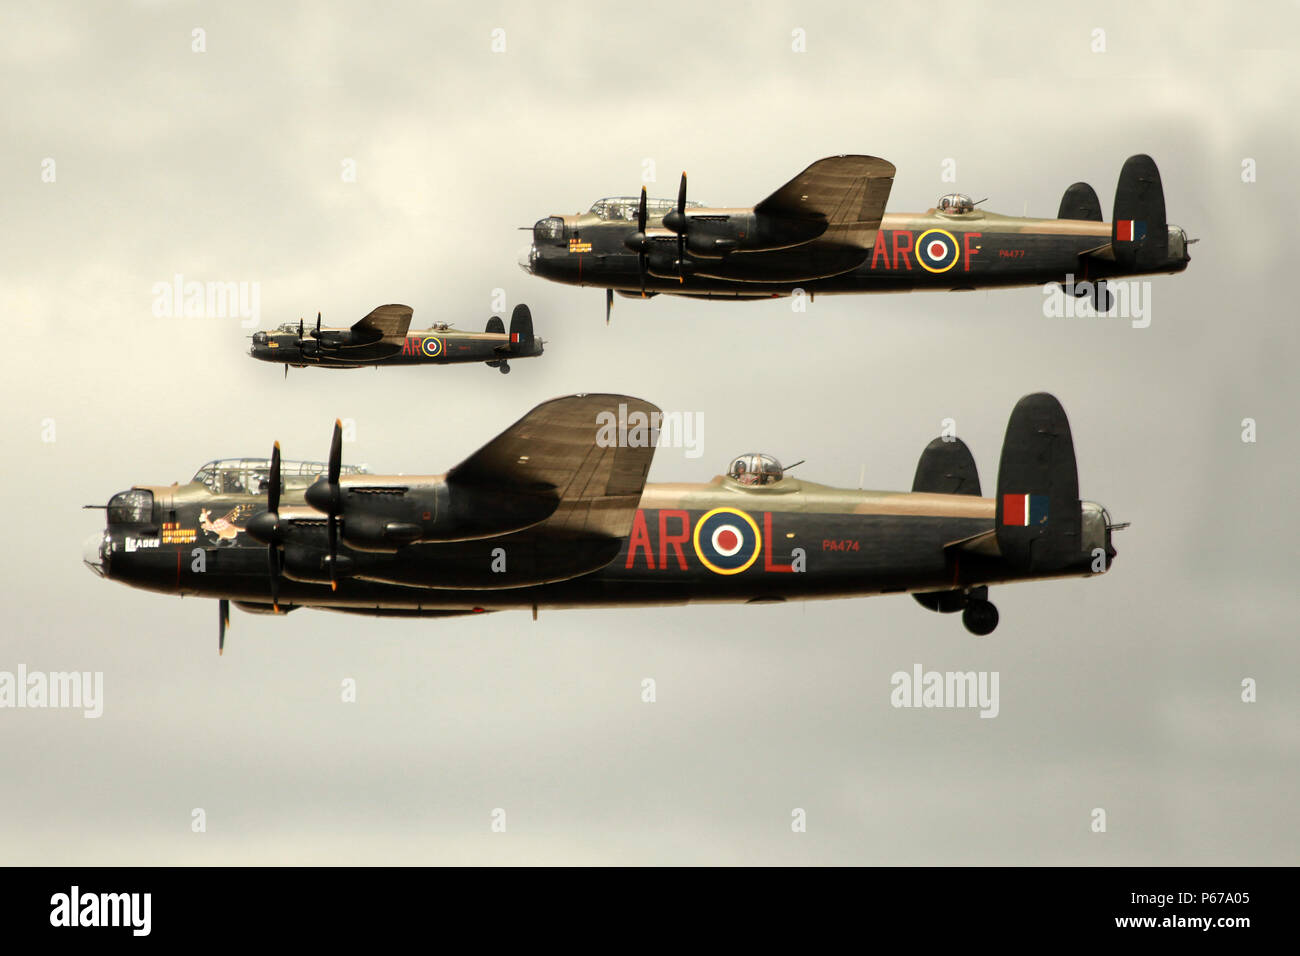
<point>273,493</point>
<point>335,502</point>
<point>640,226</point>
<point>681,232</point>
<point>336,455</point>
<point>609,303</point>
<point>273,507</point>
<point>223,609</point>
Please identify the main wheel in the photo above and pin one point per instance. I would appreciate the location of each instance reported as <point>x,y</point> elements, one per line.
<point>505,369</point>
<point>1102,300</point>
<point>980,617</point>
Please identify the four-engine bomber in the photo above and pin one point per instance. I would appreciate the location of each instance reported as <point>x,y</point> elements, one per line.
<point>384,337</point>
<point>552,514</point>
<point>826,232</point>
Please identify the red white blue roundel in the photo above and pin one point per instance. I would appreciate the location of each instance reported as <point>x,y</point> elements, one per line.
<point>726,541</point>
<point>432,347</point>
<point>936,250</point>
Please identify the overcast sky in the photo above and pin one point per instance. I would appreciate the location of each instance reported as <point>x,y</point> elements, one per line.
<point>1122,692</point>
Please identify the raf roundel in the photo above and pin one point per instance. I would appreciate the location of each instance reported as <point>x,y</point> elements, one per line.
<point>432,347</point>
<point>726,541</point>
<point>936,250</point>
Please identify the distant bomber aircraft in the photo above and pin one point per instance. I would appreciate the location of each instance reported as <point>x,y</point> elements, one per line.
<point>826,231</point>
<point>384,338</point>
<point>555,512</point>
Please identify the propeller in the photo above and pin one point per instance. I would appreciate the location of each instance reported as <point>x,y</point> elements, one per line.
<point>609,303</point>
<point>266,527</point>
<point>300,333</point>
<point>326,495</point>
<point>336,497</point>
<point>675,219</point>
<point>223,610</point>
<point>637,241</point>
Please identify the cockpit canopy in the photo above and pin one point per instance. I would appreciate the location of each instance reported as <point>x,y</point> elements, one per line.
<point>754,468</point>
<point>552,227</point>
<point>250,476</point>
<point>131,507</point>
<point>954,204</point>
<point>624,208</point>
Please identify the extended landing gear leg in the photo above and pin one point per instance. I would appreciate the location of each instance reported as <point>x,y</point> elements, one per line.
<point>1102,300</point>
<point>980,617</point>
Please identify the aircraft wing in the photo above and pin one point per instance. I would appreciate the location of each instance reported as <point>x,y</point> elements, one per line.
<point>848,192</point>
<point>387,323</point>
<point>572,449</point>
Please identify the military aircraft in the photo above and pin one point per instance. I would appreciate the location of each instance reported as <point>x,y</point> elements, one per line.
<point>555,512</point>
<point>826,232</point>
<point>384,338</point>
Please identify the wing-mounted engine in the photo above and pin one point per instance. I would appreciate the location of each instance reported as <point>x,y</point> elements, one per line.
<point>569,462</point>
<point>381,332</point>
<point>821,223</point>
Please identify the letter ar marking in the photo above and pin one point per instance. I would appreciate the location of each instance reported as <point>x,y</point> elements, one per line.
<point>676,540</point>
<point>903,250</point>
<point>880,250</point>
<point>639,539</point>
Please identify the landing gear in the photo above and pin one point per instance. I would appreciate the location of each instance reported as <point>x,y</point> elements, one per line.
<point>980,617</point>
<point>1102,300</point>
<point>505,367</point>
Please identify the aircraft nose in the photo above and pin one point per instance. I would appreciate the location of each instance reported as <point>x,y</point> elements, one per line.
<point>526,258</point>
<point>94,553</point>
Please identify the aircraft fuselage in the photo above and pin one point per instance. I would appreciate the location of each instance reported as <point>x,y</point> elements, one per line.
<point>912,252</point>
<point>714,542</point>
